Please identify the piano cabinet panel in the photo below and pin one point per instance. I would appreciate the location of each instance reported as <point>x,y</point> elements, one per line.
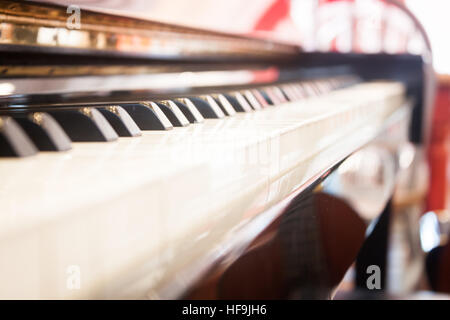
<point>303,255</point>
<point>306,251</point>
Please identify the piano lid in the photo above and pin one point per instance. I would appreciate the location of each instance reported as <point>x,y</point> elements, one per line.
<point>50,28</point>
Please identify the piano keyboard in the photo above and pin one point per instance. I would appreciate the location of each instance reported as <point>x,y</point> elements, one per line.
<point>131,194</point>
<point>24,133</point>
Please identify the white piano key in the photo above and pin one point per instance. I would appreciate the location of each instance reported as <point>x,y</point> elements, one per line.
<point>214,105</point>
<point>252,100</point>
<point>198,118</point>
<point>244,104</point>
<point>162,117</point>
<point>14,140</point>
<point>177,112</point>
<point>259,97</point>
<point>226,104</point>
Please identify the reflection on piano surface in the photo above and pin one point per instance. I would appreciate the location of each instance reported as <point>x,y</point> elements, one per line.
<point>143,159</point>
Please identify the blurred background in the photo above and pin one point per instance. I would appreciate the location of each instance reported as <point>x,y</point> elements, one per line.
<point>324,25</point>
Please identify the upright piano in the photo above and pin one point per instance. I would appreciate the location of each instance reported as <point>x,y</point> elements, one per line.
<point>142,160</point>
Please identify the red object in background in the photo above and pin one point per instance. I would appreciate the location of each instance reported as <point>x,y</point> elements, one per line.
<point>439,150</point>
<point>278,11</point>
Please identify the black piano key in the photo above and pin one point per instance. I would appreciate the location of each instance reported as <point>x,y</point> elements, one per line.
<point>148,116</point>
<point>333,83</point>
<point>44,131</point>
<point>271,93</point>
<point>243,102</point>
<point>14,142</point>
<point>84,124</point>
<point>286,91</point>
<point>218,108</point>
<point>258,96</point>
<point>224,104</point>
<point>234,103</point>
<point>251,100</point>
<point>291,92</point>
<point>301,91</point>
<point>206,110</point>
<point>283,94</point>
<point>222,107</point>
<point>266,97</point>
<point>189,110</point>
<point>121,121</point>
<point>308,89</point>
<point>175,116</point>
<point>321,87</point>
<point>315,88</point>
<point>278,94</point>
<point>239,106</point>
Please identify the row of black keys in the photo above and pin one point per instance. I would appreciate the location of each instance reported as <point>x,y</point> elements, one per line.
<point>23,133</point>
